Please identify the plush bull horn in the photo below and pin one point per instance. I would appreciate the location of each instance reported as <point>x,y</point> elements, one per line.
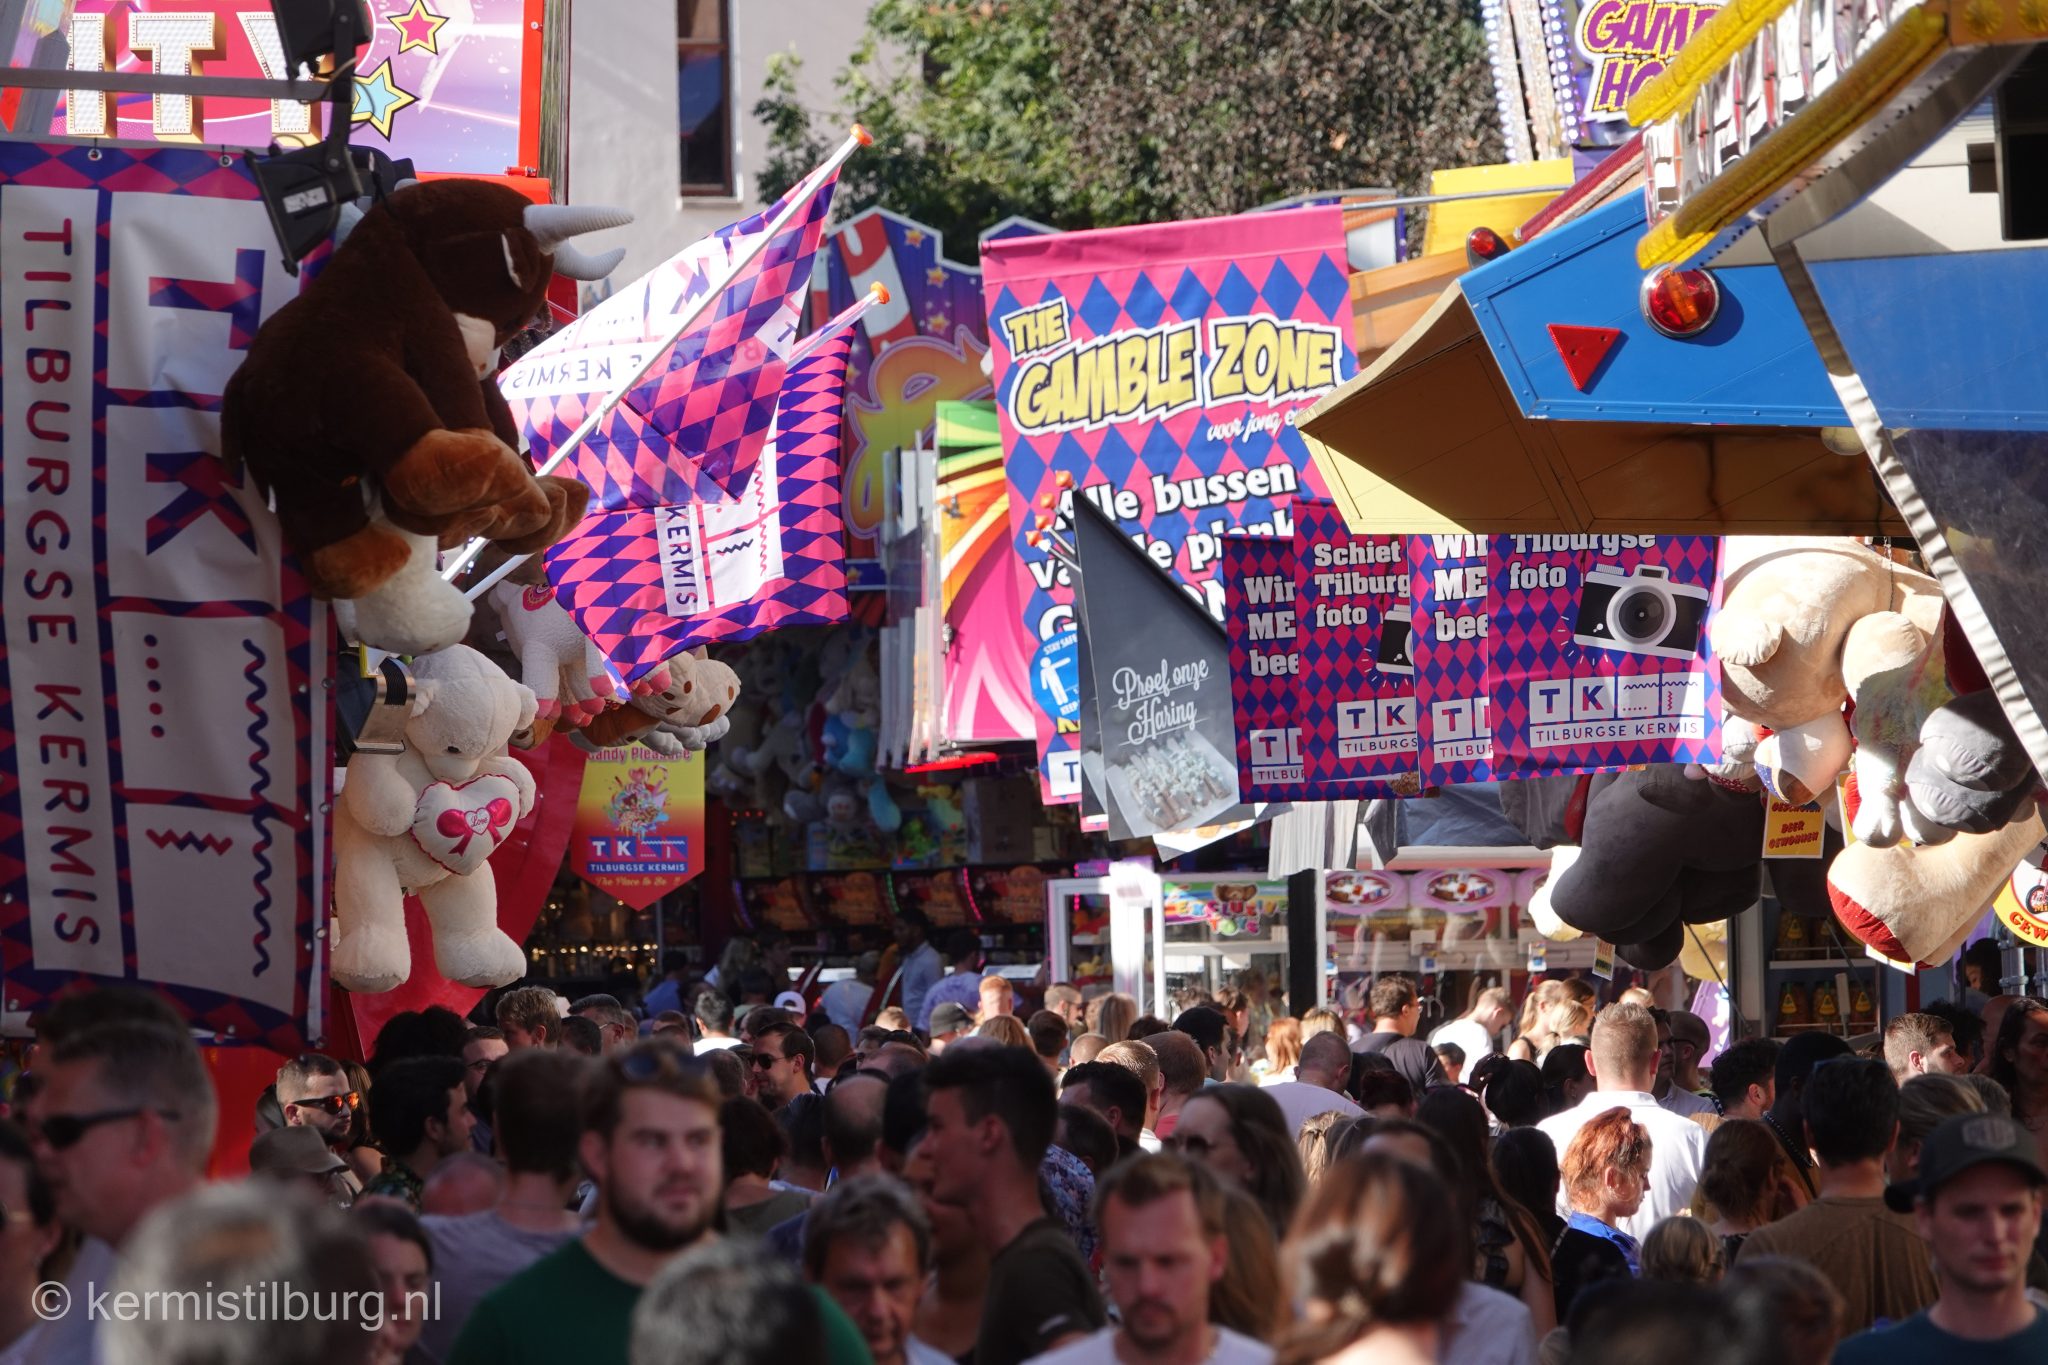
<point>554,223</point>
<point>573,263</point>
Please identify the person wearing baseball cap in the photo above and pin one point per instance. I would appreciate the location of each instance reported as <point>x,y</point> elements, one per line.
<point>1977,1199</point>
<point>950,1020</point>
<point>298,1155</point>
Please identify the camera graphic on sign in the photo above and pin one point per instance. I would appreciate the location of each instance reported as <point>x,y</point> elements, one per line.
<point>1396,628</point>
<point>1640,612</point>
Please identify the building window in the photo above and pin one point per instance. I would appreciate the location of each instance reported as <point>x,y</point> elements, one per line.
<point>704,95</point>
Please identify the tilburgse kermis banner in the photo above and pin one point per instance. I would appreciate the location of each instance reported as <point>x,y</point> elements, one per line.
<point>164,750</point>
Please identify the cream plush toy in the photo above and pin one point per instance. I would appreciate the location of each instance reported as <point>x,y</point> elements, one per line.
<point>1801,618</point>
<point>687,706</point>
<point>572,685</point>
<point>426,822</point>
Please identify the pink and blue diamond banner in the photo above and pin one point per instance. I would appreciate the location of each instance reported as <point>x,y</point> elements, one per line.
<point>1160,369</point>
<point>1449,638</point>
<point>1258,597</point>
<point>1355,692</point>
<point>1599,655</point>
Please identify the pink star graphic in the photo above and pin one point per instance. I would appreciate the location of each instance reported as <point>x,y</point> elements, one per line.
<point>418,28</point>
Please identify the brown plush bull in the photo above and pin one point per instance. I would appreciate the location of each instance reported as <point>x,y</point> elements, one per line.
<point>378,379</point>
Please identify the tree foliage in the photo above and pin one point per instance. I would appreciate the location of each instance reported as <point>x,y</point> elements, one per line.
<point>1092,113</point>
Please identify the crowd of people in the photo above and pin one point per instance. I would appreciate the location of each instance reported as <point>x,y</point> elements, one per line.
<point>732,1179</point>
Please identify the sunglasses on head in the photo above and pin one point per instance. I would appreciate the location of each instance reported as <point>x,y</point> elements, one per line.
<point>65,1130</point>
<point>331,1104</point>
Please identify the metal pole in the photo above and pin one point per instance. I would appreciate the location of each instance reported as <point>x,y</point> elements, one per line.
<point>855,140</point>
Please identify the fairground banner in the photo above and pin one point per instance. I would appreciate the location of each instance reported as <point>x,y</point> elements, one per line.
<point>1599,655</point>
<point>987,687</point>
<point>1160,370</point>
<point>1448,639</point>
<point>164,746</point>
<point>452,84</point>
<point>1355,693</point>
<point>1258,598</point>
<point>923,347</point>
<point>639,824</point>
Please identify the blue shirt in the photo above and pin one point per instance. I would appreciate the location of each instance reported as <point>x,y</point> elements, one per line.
<point>920,973</point>
<point>666,996</point>
<point>961,988</point>
<point>1627,1245</point>
<point>1918,1340</point>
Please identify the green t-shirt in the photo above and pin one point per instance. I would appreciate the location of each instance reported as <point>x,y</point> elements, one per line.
<point>1917,1341</point>
<point>566,1306</point>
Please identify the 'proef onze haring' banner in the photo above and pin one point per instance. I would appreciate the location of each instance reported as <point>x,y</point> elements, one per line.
<point>1160,368</point>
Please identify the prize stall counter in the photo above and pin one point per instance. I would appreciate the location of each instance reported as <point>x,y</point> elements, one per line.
<point>1443,916</point>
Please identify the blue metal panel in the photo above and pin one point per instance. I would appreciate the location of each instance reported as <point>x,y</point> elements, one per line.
<point>1754,366</point>
<point>1947,341</point>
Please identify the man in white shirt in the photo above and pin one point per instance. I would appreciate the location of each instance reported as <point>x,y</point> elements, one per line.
<point>920,970</point>
<point>1324,1065</point>
<point>1623,1060</point>
<point>1162,1254</point>
<point>1476,1029</point>
<point>846,1002</point>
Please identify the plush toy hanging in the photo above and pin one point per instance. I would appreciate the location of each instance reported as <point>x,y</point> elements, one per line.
<point>565,670</point>
<point>366,407</point>
<point>1800,616</point>
<point>691,696</point>
<point>426,822</point>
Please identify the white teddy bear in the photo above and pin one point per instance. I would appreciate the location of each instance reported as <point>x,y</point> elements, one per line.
<point>426,822</point>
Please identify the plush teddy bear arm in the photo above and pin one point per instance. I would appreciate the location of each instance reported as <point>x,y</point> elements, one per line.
<point>1745,639</point>
<point>379,797</point>
<point>511,769</point>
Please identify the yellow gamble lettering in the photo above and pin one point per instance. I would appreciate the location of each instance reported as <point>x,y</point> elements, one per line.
<point>1125,375</point>
<point>1265,359</point>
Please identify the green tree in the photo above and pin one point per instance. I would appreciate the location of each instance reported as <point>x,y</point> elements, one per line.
<point>1093,113</point>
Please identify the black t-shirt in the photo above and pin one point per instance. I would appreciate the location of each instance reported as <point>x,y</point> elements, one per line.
<point>1917,1341</point>
<point>1412,1057</point>
<point>1039,1290</point>
<point>1580,1259</point>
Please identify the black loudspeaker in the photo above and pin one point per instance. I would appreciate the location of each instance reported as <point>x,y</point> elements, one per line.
<point>2020,110</point>
<point>312,29</point>
<point>1305,948</point>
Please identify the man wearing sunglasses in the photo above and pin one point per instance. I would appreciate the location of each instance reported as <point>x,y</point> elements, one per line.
<point>783,1056</point>
<point>124,1124</point>
<point>315,1093</point>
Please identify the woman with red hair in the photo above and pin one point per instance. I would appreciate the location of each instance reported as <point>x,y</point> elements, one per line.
<point>1606,1172</point>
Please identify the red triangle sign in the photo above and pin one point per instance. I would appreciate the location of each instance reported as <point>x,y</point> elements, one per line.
<point>1583,348</point>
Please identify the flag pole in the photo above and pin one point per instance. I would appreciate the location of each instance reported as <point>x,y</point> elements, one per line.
<point>878,293</point>
<point>856,139</point>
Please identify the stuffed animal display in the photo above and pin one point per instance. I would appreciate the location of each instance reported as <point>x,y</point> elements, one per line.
<point>687,711</point>
<point>1835,666</point>
<point>570,680</point>
<point>366,408</point>
<point>1657,851</point>
<point>426,822</point>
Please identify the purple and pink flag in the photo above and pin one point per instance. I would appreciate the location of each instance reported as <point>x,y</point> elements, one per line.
<point>715,510</point>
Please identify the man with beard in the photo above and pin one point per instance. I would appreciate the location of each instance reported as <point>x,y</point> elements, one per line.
<point>1163,1252</point>
<point>651,1142</point>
